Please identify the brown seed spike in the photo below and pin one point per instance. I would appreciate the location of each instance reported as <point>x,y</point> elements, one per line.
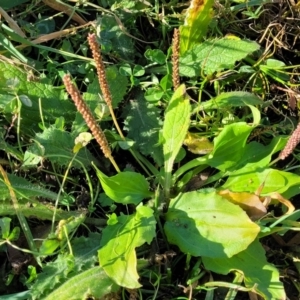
<point>95,48</point>
<point>291,144</point>
<point>175,59</point>
<point>87,116</point>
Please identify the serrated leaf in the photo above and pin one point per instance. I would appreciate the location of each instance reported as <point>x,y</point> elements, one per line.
<point>93,283</point>
<point>143,123</point>
<point>176,124</point>
<point>258,273</point>
<point>198,16</point>
<point>229,146</point>
<point>117,254</point>
<point>64,267</point>
<point>58,148</point>
<point>51,100</point>
<point>85,250</point>
<point>35,209</point>
<point>53,273</point>
<point>125,187</point>
<point>215,55</point>
<point>202,223</point>
<point>24,189</point>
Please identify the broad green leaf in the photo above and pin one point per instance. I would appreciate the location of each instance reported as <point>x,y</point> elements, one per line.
<point>258,156</point>
<point>231,99</point>
<point>49,246</point>
<point>229,146</point>
<point>138,70</point>
<point>154,94</point>
<point>214,56</point>
<point>25,100</point>
<point>119,239</point>
<point>93,283</point>
<point>125,69</point>
<point>142,123</point>
<point>57,146</point>
<point>258,273</point>
<point>176,124</point>
<point>198,16</point>
<point>202,223</point>
<point>249,180</point>
<point>125,187</point>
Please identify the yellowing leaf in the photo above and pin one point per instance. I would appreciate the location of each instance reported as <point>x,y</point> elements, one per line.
<point>232,37</point>
<point>202,223</point>
<point>198,145</point>
<point>276,197</point>
<point>250,203</point>
<point>254,205</point>
<point>198,17</point>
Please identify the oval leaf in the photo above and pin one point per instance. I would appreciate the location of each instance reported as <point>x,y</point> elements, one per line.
<point>229,146</point>
<point>119,239</point>
<point>177,120</point>
<point>202,223</point>
<point>125,187</point>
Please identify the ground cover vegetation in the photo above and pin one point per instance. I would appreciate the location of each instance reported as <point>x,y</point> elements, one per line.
<point>148,149</point>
